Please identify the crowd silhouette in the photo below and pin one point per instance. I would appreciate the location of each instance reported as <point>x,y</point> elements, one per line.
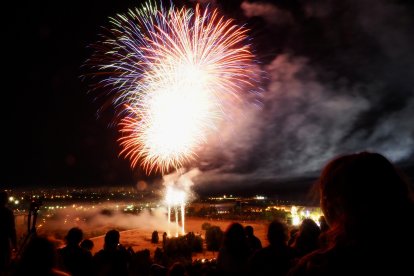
<point>367,229</point>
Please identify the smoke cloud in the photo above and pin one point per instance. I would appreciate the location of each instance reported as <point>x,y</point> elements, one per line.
<point>102,219</point>
<point>118,215</point>
<point>181,180</point>
<point>339,80</point>
<point>268,12</point>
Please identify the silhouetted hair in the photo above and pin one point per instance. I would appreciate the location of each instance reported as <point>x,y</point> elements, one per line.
<point>277,233</point>
<point>307,238</point>
<point>74,236</point>
<point>360,193</point>
<point>38,258</point>
<point>351,186</point>
<point>309,227</point>
<point>249,230</point>
<point>87,244</point>
<point>323,224</point>
<point>112,239</point>
<point>235,239</point>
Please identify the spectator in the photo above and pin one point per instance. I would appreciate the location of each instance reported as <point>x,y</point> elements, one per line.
<point>140,263</point>
<point>233,254</point>
<point>164,239</point>
<point>154,237</point>
<point>357,192</point>
<point>307,238</point>
<point>275,259</point>
<point>73,258</point>
<point>113,259</point>
<point>88,246</point>
<point>7,232</point>
<point>39,258</point>
<point>253,242</point>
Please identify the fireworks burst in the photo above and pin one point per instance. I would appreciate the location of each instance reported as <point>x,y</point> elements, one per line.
<point>176,71</point>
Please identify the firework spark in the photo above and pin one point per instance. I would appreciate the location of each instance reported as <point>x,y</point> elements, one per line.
<point>176,71</point>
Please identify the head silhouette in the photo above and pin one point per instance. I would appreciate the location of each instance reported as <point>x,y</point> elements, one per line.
<point>87,244</point>
<point>352,186</point>
<point>38,258</point>
<point>277,233</point>
<point>112,239</point>
<point>309,228</point>
<point>235,239</point>
<point>74,236</point>
<point>249,230</point>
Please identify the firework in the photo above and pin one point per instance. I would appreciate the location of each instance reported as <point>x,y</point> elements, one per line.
<point>175,199</point>
<point>174,72</point>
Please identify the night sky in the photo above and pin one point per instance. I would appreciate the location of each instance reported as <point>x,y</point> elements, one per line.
<point>339,77</point>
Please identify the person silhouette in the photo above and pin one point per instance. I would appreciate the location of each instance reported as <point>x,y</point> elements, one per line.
<point>8,241</point>
<point>73,258</point>
<point>87,245</point>
<point>39,258</point>
<point>154,237</point>
<point>113,259</point>
<point>253,242</point>
<point>164,239</point>
<point>307,238</point>
<point>276,258</point>
<point>368,205</point>
<point>234,252</point>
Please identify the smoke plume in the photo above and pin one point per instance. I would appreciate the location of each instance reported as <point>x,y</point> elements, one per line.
<point>181,180</point>
<point>97,220</point>
<point>339,80</point>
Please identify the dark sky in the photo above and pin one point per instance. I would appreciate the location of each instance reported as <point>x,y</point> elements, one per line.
<point>339,78</point>
<point>51,132</point>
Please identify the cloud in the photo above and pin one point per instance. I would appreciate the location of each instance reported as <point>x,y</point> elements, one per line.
<point>340,82</point>
<point>269,12</point>
<point>298,128</point>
